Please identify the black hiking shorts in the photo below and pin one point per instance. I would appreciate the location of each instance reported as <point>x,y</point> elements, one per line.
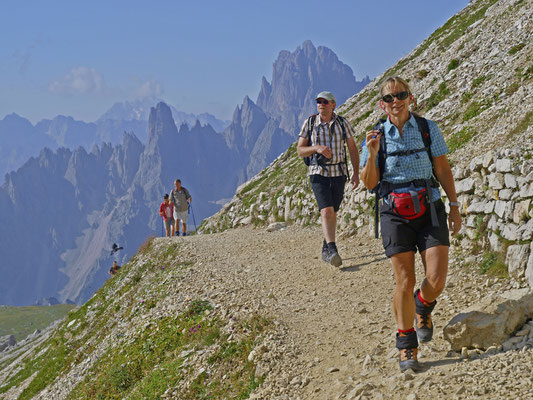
<point>329,191</point>
<point>400,235</point>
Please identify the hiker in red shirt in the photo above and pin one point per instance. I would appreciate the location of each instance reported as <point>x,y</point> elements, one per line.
<point>166,210</point>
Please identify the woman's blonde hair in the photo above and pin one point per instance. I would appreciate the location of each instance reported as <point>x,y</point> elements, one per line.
<point>394,80</point>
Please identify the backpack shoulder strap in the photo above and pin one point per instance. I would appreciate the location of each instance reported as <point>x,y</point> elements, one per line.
<point>310,125</point>
<point>423,128</point>
<point>342,121</point>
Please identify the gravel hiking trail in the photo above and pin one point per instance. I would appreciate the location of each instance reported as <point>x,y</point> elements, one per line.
<point>340,320</point>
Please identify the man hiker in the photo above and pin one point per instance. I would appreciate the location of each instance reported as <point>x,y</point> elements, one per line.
<point>166,211</point>
<point>322,142</point>
<point>114,268</point>
<point>181,198</point>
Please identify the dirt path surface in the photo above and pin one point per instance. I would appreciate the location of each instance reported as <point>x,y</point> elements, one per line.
<point>339,323</point>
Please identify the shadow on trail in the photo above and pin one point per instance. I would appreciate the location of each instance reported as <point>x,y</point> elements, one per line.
<point>357,267</point>
<point>427,365</point>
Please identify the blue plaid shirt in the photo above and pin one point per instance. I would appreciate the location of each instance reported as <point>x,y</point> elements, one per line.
<point>399,169</point>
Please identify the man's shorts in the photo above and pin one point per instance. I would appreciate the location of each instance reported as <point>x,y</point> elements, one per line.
<point>181,215</point>
<point>329,192</point>
<point>400,235</point>
<point>168,223</point>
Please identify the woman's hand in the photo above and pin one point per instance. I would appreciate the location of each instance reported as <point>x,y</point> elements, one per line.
<point>454,220</point>
<point>372,142</point>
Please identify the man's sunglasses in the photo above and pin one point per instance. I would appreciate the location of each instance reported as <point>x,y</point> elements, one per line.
<point>389,98</point>
<point>320,101</point>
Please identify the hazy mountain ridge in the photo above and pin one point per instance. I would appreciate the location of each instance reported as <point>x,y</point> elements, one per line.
<point>22,140</point>
<point>86,201</point>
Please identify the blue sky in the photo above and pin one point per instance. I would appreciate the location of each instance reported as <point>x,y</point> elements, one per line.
<point>78,58</point>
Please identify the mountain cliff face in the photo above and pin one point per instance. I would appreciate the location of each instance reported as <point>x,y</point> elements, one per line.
<point>296,79</point>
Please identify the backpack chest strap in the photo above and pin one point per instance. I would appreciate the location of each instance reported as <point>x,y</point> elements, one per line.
<point>408,152</point>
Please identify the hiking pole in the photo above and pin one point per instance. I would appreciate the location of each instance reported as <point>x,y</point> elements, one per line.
<point>161,226</point>
<point>192,212</point>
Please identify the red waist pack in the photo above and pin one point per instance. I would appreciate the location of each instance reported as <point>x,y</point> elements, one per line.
<point>410,205</point>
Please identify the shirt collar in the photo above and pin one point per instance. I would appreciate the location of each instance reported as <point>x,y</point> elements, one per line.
<point>333,118</point>
<point>389,125</point>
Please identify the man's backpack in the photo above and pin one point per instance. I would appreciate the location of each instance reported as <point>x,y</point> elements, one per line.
<point>382,189</point>
<point>318,158</point>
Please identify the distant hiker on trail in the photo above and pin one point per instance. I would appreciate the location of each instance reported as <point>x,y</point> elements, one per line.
<point>166,211</point>
<point>322,145</point>
<point>181,198</point>
<point>407,156</point>
<point>114,268</point>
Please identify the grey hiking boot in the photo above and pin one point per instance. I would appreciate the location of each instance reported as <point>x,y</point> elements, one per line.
<point>409,360</point>
<point>423,322</point>
<point>333,256</point>
<point>325,251</point>
<point>407,344</point>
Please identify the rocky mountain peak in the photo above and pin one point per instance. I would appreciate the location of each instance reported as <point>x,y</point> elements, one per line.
<point>297,77</point>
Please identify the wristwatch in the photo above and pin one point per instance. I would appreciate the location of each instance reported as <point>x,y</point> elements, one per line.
<point>454,203</point>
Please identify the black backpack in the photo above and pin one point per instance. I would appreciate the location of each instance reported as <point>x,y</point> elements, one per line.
<point>313,159</point>
<point>382,189</point>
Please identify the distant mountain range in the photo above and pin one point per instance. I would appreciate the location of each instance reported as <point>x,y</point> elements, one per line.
<point>62,209</point>
<point>20,140</point>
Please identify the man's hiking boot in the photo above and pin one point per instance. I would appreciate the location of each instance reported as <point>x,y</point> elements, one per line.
<point>332,257</point>
<point>325,251</point>
<point>423,322</point>
<point>407,343</point>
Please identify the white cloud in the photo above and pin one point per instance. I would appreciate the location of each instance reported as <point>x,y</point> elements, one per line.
<point>80,80</point>
<point>151,88</point>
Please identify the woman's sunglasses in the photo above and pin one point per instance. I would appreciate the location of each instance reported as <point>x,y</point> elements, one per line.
<point>389,98</point>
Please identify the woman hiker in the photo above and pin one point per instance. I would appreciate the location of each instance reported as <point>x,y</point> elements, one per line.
<point>413,216</point>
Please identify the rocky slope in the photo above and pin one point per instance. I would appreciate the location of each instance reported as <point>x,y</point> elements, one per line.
<point>473,76</point>
<point>256,314</point>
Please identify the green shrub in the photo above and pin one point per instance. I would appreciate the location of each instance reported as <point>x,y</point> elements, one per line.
<point>459,139</point>
<point>466,96</point>
<point>438,96</point>
<point>479,80</point>
<point>493,264</point>
<point>473,110</point>
<point>513,87</point>
<point>421,74</point>
<point>453,64</point>
<point>361,117</point>
<point>516,49</point>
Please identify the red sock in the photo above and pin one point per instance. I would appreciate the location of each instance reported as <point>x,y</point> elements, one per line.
<point>424,302</point>
<point>405,332</point>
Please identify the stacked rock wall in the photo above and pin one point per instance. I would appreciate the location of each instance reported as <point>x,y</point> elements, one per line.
<point>495,191</point>
<point>496,196</point>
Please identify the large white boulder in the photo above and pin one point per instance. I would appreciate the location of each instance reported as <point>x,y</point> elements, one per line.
<point>490,321</point>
